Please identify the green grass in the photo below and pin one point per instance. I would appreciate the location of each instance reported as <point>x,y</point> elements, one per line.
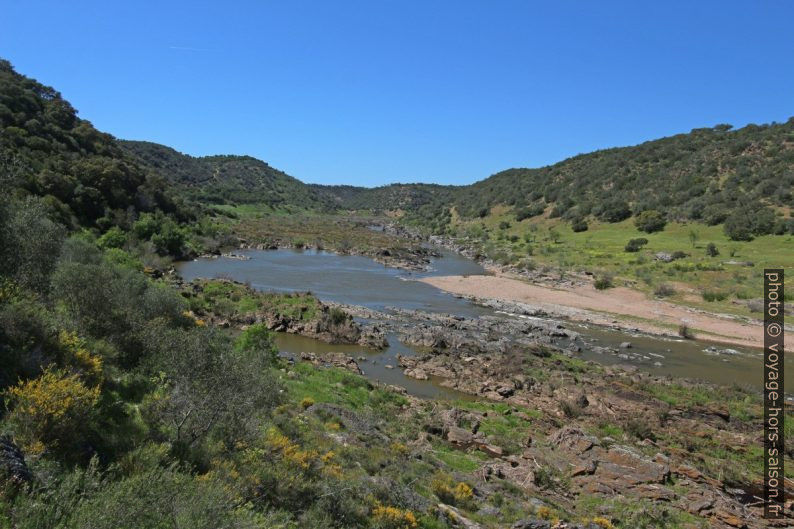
<point>231,299</point>
<point>337,386</point>
<point>600,250</point>
<point>457,460</point>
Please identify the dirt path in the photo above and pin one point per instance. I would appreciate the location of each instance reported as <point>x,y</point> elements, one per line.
<point>617,306</point>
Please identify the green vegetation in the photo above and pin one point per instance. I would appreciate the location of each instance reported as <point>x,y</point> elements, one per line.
<point>129,408</point>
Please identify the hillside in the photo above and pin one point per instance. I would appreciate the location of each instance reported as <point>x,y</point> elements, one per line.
<point>712,175</point>
<point>224,179</point>
<point>83,175</point>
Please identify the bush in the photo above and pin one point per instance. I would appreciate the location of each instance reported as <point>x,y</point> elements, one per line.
<point>113,238</point>
<point>570,409</point>
<point>504,225</point>
<point>614,210</point>
<point>664,290</point>
<point>337,316</point>
<point>714,295</point>
<point>53,410</point>
<point>258,339</point>
<point>685,332</point>
<point>635,245</point>
<point>650,221</point>
<point>711,250</point>
<point>603,283</point>
<point>530,211</point>
<point>579,225</point>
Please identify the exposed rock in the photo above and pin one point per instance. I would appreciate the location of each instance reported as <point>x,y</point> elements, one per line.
<point>332,359</point>
<point>13,468</point>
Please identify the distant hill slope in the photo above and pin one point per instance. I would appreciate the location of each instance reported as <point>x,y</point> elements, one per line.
<point>708,174</point>
<point>82,173</point>
<point>220,179</point>
<point>242,179</point>
<point>743,178</point>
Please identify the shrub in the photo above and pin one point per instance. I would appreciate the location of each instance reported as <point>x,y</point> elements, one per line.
<point>393,518</point>
<point>530,211</point>
<point>664,290</point>
<point>603,283</point>
<point>53,410</point>
<point>113,238</point>
<point>711,250</point>
<point>579,225</point>
<point>650,221</point>
<point>504,225</point>
<point>714,295</point>
<point>614,210</point>
<point>460,493</point>
<point>337,316</point>
<point>685,332</point>
<point>307,402</point>
<point>640,429</point>
<point>739,227</point>
<point>635,245</point>
<point>570,409</point>
<point>258,339</point>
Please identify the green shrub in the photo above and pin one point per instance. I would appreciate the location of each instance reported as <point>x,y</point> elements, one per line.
<point>650,221</point>
<point>664,290</point>
<point>603,283</point>
<point>635,245</point>
<point>113,238</point>
<point>579,225</point>
<point>714,295</point>
<point>711,250</point>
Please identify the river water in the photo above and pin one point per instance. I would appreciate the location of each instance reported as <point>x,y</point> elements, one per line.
<point>357,280</point>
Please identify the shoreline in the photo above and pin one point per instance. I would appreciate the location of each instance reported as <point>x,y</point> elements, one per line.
<point>619,307</point>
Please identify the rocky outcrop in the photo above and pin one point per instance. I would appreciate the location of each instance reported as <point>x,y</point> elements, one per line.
<point>332,359</point>
<point>13,469</point>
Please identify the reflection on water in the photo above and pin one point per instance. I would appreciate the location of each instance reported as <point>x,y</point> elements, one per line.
<point>358,280</point>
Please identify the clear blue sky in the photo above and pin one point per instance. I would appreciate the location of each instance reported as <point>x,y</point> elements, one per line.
<point>377,91</point>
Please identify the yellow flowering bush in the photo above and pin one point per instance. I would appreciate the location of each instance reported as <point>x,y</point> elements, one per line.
<point>52,409</point>
<point>603,522</point>
<point>289,451</point>
<point>393,518</point>
<point>78,356</point>
<point>453,493</point>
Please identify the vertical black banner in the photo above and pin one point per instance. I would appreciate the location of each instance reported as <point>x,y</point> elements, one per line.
<point>774,407</point>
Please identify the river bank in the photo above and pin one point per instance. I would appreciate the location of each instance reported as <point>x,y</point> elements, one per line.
<point>618,307</point>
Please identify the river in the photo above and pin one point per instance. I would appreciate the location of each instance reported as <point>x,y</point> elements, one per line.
<point>357,280</point>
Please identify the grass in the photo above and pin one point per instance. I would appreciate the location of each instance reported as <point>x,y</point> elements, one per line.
<point>601,250</point>
<point>233,299</point>
<point>337,386</point>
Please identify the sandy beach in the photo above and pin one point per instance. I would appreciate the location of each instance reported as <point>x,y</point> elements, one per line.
<point>617,306</point>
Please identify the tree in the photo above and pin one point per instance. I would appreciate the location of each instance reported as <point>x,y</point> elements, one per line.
<point>739,227</point>
<point>650,221</point>
<point>711,250</point>
<point>693,237</point>
<point>614,210</point>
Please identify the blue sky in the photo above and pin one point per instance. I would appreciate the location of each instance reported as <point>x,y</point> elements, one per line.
<point>377,91</point>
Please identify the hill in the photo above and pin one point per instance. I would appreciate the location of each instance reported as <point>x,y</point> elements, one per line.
<point>714,175</point>
<point>224,179</point>
<point>82,174</point>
